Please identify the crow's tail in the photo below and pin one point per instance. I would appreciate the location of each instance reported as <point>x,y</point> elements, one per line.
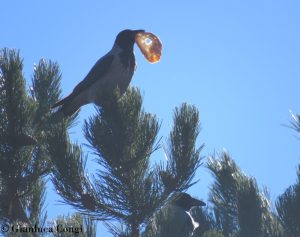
<point>68,105</point>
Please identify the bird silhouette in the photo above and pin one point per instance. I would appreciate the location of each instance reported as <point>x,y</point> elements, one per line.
<point>114,70</point>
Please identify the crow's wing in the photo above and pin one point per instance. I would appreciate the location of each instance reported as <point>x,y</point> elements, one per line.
<point>97,72</point>
<point>101,67</point>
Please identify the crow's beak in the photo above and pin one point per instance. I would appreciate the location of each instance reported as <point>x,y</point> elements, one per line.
<point>196,203</point>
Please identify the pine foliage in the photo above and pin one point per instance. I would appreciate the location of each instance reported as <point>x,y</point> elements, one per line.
<point>74,225</point>
<point>288,204</point>
<point>24,123</point>
<point>125,187</point>
<point>240,209</point>
<point>128,191</point>
<point>288,208</point>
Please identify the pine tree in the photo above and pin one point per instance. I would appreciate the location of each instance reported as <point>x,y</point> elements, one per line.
<point>74,225</point>
<point>18,156</point>
<point>126,187</point>
<point>295,123</point>
<point>240,209</point>
<point>212,233</point>
<point>288,204</point>
<point>25,122</point>
<point>288,208</point>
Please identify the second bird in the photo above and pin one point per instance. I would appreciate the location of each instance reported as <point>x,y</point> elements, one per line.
<point>113,70</point>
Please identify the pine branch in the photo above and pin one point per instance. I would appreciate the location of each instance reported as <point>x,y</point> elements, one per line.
<point>295,123</point>
<point>82,226</point>
<point>35,202</point>
<point>24,121</point>
<point>183,156</point>
<point>68,175</point>
<point>239,207</point>
<point>123,137</point>
<point>16,139</point>
<point>288,208</point>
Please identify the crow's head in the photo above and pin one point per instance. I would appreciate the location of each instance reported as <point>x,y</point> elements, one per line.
<point>186,202</point>
<point>126,38</point>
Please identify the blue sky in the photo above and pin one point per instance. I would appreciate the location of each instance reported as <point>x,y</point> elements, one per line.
<point>237,61</point>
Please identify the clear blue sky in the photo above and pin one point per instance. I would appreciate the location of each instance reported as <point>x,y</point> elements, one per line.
<point>237,61</point>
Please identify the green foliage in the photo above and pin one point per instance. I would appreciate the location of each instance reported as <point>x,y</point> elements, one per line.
<point>182,154</point>
<point>288,208</point>
<point>170,221</point>
<point>224,192</point>
<point>249,209</point>
<point>74,225</point>
<point>239,208</point>
<point>127,187</point>
<point>26,123</point>
<point>35,203</point>
<point>23,160</point>
<point>288,204</point>
<point>123,137</point>
<point>213,233</point>
<point>295,123</point>
<point>68,174</point>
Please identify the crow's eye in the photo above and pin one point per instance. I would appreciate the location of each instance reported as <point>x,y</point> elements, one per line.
<point>149,45</point>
